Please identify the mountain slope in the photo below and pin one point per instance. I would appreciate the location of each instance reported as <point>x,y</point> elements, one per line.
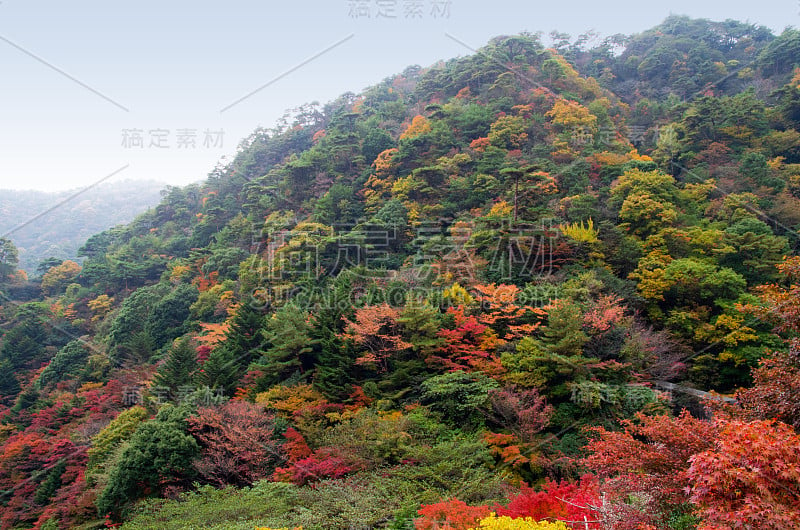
<point>411,302</point>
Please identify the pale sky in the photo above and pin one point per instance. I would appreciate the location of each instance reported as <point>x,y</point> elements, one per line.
<point>80,78</point>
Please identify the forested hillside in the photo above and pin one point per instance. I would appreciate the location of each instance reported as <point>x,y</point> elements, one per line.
<point>529,288</point>
<point>55,225</point>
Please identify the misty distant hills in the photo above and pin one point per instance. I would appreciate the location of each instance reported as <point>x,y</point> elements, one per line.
<point>43,224</point>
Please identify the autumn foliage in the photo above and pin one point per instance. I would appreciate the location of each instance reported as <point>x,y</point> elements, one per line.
<point>376,330</point>
<point>451,514</point>
<point>776,381</point>
<point>650,458</point>
<point>577,502</point>
<point>304,465</point>
<point>451,301</point>
<point>464,346</point>
<point>238,443</point>
<point>749,478</point>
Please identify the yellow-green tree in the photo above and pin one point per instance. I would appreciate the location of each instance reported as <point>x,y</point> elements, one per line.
<point>60,276</point>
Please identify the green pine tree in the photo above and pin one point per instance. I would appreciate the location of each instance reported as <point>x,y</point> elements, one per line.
<point>178,368</point>
<point>221,370</point>
<point>243,343</point>
<point>291,347</point>
<point>334,372</point>
<point>244,339</point>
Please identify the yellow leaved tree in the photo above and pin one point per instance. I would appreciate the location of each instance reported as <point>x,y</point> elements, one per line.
<point>493,522</point>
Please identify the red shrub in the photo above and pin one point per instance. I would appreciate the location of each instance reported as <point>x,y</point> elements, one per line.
<point>238,441</point>
<point>452,514</point>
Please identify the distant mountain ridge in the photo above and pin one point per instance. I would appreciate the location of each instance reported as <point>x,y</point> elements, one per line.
<point>60,232</point>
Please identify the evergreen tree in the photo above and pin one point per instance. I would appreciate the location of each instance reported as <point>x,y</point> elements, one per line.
<point>9,259</point>
<point>421,323</point>
<point>221,370</point>
<point>563,334</point>
<point>244,338</point>
<point>68,363</point>
<point>50,484</point>
<point>132,319</point>
<point>178,368</point>
<point>244,341</point>
<point>169,315</point>
<point>333,375</point>
<point>336,360</point>
<point>291,347</point>
<point>159,453</point>
<point>9,384</point>
<point>138,349</point>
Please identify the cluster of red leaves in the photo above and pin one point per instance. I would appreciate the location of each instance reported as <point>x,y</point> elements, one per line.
<point>56,434</point>
<point>451,514</point>
<point>574,502</point>
<point>91,404</point>
<point>783,304</point>
<point>206,282</point>
<point>295,447</point>
<point>507,448</point>
<point>738,474</point>
<point>307,466</point>
<point>522,411</point>
<point>74,501</point>
<point>203,351</point>
<point>606,313</point>
<point>211,334</point>
<point>776,387</point>
<point>463,346</point>
<point>500,309</point>
<point>319,135</point>
<point>323,464</point>
<point>247,385</point>
<point>750,478</point>
<point>25,461</point>
<point>358,399</point>
<point>480,144</point>
<point>650,455</point>
<point>238,440</point>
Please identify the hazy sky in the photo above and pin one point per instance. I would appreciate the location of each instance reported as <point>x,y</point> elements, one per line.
<point>92,87</point>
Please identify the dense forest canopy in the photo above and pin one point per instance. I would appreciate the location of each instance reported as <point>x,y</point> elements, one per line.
<point>531,287</point>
